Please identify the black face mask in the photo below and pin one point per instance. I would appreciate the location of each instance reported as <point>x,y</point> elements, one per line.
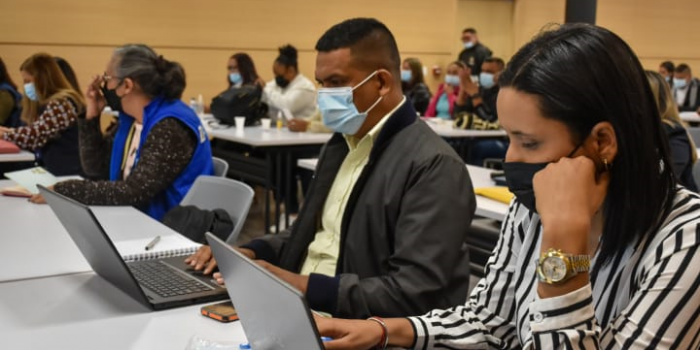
<point>519,180</point>
<point>281,81</point>
<point>113,100</point>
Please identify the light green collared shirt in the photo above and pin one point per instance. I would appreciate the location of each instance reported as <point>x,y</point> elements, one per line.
<point>322,255</point>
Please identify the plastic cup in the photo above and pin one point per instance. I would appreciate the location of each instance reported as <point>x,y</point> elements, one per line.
<point>240,123</point>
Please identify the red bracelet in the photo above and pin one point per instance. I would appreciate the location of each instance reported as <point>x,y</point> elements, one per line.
<point>384,340</point>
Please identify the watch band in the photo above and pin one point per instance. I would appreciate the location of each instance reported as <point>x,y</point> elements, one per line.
<point>579,263</point>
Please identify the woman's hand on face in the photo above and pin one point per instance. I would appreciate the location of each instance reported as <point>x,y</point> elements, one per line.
<point>349,334</point>
<point>94,99</point>
<point>569,193</point>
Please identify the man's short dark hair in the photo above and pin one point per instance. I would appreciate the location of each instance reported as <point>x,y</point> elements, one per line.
<point>469,30</point>
<point>499,62</point>
<point>668,65</point>
<point>371,44</point>
<point>682,68</point>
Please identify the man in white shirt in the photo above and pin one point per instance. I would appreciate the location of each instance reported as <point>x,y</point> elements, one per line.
<point>290,89</point>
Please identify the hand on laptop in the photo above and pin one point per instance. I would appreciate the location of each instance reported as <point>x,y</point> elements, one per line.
<point>203,259</point>
<point>348,334</point>
<point>299,282</point>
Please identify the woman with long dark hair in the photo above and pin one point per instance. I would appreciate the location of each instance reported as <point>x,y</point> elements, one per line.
<point>599,249</point>
<point>241,71</point>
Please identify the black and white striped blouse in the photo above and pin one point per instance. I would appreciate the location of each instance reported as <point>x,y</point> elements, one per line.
<point>647,298</point>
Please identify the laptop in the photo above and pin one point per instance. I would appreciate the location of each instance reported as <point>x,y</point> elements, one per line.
<point>158,284</point>
<point>274,314</point>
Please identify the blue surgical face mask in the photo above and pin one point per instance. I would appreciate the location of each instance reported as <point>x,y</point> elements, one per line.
<point>338,110</point>
<point>679,83</point>
<point>486,80</point>
<point>452,79</point>
<point>406,75</point>
<point>668,79</point>
<point>468,44</point>
<point>235,78</point>
<point>30,91</point>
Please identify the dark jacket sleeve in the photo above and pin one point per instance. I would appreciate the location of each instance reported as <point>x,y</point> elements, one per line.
<point>167,150</point>
<point>269,247</point>
<point>420,98</point>
<point>436,211</point>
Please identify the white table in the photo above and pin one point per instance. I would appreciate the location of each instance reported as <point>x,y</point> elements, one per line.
<point>83,311</point>
<point>481,177</point>
<point>33,243</point>
<point>691,117</point>
<point>22,156</point>
<point>279,146</point>
<point>486,207</point>
<point>256,136</point>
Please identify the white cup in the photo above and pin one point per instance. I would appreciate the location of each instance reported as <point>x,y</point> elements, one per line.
<point>266,123</point>
<point>240,123</point>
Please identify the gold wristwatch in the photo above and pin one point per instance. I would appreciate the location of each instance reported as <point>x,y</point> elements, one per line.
<point>555,267</point>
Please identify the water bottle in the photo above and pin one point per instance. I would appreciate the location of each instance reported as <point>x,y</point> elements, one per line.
<point>200,104</point>
<point>193,104</point>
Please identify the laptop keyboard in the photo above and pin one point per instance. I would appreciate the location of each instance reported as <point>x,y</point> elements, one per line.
<point>164,281</point>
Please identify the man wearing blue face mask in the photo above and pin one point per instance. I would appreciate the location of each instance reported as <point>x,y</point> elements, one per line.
<point>686,89</point>
<point>382,229</point>
<point>475,108</point>
<point>474,52</point>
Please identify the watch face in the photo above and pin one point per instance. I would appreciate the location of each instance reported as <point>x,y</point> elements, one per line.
<point>554,268</point>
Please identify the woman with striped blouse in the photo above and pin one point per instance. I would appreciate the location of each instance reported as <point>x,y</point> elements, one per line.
<point>606,257</point>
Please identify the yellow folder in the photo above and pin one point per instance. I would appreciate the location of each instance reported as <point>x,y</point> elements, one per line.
<point>499,193</point>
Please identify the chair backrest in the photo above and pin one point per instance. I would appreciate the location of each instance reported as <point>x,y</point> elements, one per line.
<point>695,134</point>
<point>220,167</point>
<point>212,192</point>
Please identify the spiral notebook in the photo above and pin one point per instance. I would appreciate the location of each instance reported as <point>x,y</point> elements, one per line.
<point>131,230</point>
<point>168,246</point>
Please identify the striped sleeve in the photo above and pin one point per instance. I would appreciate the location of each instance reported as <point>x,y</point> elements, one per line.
<point>662,312</point>
<point>486,320</point>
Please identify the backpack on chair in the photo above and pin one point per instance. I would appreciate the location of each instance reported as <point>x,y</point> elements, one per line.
<point>244,101</point>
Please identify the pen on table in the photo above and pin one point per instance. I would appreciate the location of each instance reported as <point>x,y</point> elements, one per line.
<point>152,243</point>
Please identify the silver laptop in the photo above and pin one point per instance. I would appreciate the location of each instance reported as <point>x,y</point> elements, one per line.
<point>274,314</point>
<point>158,284</point>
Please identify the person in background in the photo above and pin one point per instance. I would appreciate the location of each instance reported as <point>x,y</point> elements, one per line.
<point>666,69</point>
<point>68,72</point>
<point>241,71</point>
<point>10,99</point>
<point>413,84</point>
<point>474,52</point>
<point>159,146</point>
<point>442,103</point>
<point>683,151</point>
<point>686,89</point>
<point>50,108</point>
<point>382,230</point>
<point>475,108</point>
<point>600,246</point>
<point>290,89</point>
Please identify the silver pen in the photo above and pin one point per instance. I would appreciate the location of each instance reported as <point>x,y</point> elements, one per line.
<point>152,243</point>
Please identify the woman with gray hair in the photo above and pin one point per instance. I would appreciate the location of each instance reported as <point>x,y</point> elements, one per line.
<point>158,147</point>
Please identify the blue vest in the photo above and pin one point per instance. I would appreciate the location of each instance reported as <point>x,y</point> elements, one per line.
<point>200,164</point>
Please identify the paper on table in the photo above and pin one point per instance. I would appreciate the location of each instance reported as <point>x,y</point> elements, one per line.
<point>167,246</point>
<point>29,178</point>
<point>287,114</point>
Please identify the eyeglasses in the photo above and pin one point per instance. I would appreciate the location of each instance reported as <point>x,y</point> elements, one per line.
<point>105,78</point>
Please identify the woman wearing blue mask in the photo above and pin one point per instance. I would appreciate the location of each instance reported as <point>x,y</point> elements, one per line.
<point>442,103</point>
<point>413,84</point>
<point>241,71</point>
<point>50,108</point>
<point>599,249</point>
